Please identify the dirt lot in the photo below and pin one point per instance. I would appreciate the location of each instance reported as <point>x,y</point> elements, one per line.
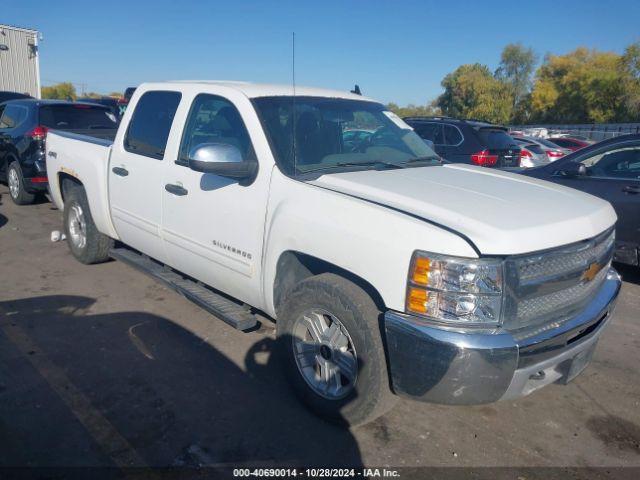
<point>100,365</point>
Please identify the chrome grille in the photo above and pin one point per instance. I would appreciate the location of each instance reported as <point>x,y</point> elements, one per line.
<point>551,285</point>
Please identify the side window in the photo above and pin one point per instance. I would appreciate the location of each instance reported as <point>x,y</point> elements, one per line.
<point>622,163</point>
<point>13,116</point>
<point>430,131</point>
<point>213,119</point>
<point>452,135</point>
<point>149,128</point>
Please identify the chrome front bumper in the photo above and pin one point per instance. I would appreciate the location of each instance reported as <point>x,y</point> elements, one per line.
<point>440,365</point>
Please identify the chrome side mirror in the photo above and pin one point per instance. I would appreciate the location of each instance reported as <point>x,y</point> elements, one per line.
<point>221,159</point>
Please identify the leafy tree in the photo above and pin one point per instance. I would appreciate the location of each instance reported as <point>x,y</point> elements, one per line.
<point>412,110</point>
<point>581,86</point>
<point>630,66</point>
<point>471,91</point>
<point>517,65</point>
<point>60,91</point>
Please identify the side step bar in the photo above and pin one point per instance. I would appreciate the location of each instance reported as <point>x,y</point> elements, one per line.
<point>235,314</point>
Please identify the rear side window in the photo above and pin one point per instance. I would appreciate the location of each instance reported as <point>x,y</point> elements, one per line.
<point>452,135</point>
<point>149,128</point>
<point>563,142</point>
<point>430,131</point>
<point>13,116</point>
<point>494,138</point>
<point>76,117</point>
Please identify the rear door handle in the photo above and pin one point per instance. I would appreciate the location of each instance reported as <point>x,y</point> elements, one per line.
<point>176,189</point>
<point>121,172</point>
<point>633,189</point>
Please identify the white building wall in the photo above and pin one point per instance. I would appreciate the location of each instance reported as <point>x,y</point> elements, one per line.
<point>19,61</point>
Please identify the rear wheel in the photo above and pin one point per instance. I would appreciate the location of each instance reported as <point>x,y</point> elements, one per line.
<point>86,243</point>
<point>330,341</point>
<point>15,180</point>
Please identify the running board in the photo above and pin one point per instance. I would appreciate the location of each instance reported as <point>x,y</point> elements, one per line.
<point>237,315</point>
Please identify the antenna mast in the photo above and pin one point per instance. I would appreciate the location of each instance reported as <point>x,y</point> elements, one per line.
<point>293,110</point>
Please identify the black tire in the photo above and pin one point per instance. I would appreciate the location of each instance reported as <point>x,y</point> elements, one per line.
<point>97,245</point>
<point>21,197</point>
<point>371,396</point>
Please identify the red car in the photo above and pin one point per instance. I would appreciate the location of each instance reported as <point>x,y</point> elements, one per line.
<point>571,143</point>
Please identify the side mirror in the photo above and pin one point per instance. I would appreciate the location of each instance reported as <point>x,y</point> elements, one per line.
<point>573,169</point>
<point>221,159</point>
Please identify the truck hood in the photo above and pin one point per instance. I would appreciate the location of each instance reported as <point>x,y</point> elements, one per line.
<point>501,213</point>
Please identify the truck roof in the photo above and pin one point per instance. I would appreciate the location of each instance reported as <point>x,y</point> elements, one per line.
<point>253,90</point>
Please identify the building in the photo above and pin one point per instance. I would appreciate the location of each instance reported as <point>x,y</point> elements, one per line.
<point>19,60</point>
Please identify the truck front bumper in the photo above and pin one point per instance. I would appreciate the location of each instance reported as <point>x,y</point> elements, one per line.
<point>439,365</point>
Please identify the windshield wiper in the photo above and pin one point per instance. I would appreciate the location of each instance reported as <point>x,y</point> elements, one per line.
<point>372,163</point>
<point>355,164</point>
<point>426,158</point>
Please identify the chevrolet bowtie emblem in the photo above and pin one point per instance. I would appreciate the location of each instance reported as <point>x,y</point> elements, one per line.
<point>591,272</point>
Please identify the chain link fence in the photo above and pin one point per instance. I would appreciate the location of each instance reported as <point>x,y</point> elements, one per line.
<point>593,131</point>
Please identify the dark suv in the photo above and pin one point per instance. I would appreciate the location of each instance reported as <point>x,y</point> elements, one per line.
<point>23,131</point>
<point>468,141</point>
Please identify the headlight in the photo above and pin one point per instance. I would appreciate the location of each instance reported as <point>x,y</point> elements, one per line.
<point>463,291</point>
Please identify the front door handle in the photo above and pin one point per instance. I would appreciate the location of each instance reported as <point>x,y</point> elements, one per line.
<point>633,189</point>
<point>176,189</point>
<point>121,172</point>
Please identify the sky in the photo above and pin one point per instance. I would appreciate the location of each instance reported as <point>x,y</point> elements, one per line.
<point>397,51</point>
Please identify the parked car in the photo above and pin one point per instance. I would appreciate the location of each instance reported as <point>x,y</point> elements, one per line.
<point>110,102</point>
<point>552,151</point>
<point>468,141</point>
<point>23,132</point>
<point>571,143</point>
<point>385,270</point>
<point>531,154</point>
<point>610,170</point>
<point>6,96</point>
<point>124,101</point>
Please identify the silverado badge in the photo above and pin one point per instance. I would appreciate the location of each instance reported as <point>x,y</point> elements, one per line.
<point>591,272</point>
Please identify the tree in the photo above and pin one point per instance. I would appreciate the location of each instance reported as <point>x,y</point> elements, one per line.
<point>60,91</point>
<point>517,65</point>
<point>630,67</point>
<point>412,110</point>
<point>471,91</point>
<point>579,87</point>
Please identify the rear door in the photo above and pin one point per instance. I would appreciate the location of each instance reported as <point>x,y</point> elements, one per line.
<point>136,172</point>
<point>614,175</point>
<point>500,143</point>
<point>432,131</point>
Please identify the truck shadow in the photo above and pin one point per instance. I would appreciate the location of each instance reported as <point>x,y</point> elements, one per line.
<point>77,386</point>
<point>629,273</point>
<point>3,220</point>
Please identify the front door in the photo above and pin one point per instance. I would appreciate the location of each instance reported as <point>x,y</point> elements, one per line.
<point>615,176</point>
<point>136,171</point>
<point>213,226</point>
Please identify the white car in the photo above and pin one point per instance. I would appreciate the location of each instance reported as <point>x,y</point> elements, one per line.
<point>386,271</point>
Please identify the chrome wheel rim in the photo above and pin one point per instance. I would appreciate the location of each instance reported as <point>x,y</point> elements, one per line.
<point>77,226</point>
<point>14,183</point>
<point>325,354</point>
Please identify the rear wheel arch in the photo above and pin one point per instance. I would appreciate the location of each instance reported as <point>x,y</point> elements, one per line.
<point>66,182</point>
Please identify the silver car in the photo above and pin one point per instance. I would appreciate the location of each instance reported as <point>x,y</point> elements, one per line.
<point>531,154</point>
<point>552,151</point>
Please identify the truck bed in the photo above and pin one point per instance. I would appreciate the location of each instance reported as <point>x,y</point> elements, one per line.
<point>106,136</point>
<point>82,156</point>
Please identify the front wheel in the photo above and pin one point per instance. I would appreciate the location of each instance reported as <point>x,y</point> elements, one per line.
<point>330,341</point>
<point>86,243</point>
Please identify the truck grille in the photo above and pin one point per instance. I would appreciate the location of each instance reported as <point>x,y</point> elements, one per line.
<point>552,285</point>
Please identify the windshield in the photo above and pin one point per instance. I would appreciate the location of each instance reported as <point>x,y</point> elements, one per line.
<point>334,134</point>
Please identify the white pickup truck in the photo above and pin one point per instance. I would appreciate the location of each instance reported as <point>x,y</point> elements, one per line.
<point>387,270</point>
